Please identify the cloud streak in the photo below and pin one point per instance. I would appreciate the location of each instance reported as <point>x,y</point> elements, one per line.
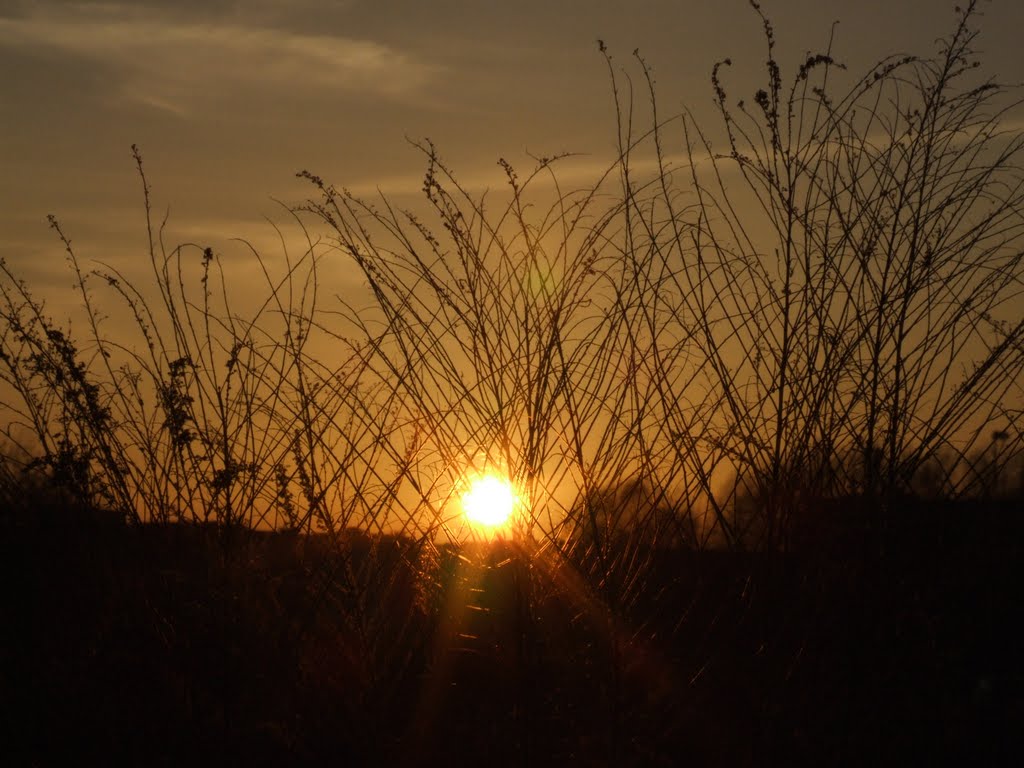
<point>181,65</point>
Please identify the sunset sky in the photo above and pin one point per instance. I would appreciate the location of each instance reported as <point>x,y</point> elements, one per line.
<point>227,100</point>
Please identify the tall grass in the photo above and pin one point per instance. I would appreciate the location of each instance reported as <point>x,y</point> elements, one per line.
<point>820,310</point>
<point>862,311</point>
<point>699,349</point>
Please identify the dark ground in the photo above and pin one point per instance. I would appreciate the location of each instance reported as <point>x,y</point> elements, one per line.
<point>173,645</point>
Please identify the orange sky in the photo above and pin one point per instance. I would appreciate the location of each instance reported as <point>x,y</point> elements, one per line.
<point>228,99</point>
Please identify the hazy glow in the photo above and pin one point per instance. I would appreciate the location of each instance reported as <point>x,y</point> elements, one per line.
<point>489,501</point>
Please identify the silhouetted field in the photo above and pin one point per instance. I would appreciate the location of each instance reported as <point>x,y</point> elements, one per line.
<point>756,390</point>
<point>175,644</point>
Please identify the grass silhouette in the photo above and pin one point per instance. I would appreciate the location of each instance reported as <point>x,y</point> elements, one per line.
<point>762,404</point>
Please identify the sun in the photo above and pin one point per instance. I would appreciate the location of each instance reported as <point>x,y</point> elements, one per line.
<point>489,501</point>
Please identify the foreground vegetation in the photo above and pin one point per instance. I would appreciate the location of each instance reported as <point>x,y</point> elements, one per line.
<point>706,373</point>
<point>164,644</point>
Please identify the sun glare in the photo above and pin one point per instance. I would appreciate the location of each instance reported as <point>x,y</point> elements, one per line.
<point>489,501</point>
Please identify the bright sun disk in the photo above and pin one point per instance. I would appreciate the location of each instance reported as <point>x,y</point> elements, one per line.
<point>489,501</point>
